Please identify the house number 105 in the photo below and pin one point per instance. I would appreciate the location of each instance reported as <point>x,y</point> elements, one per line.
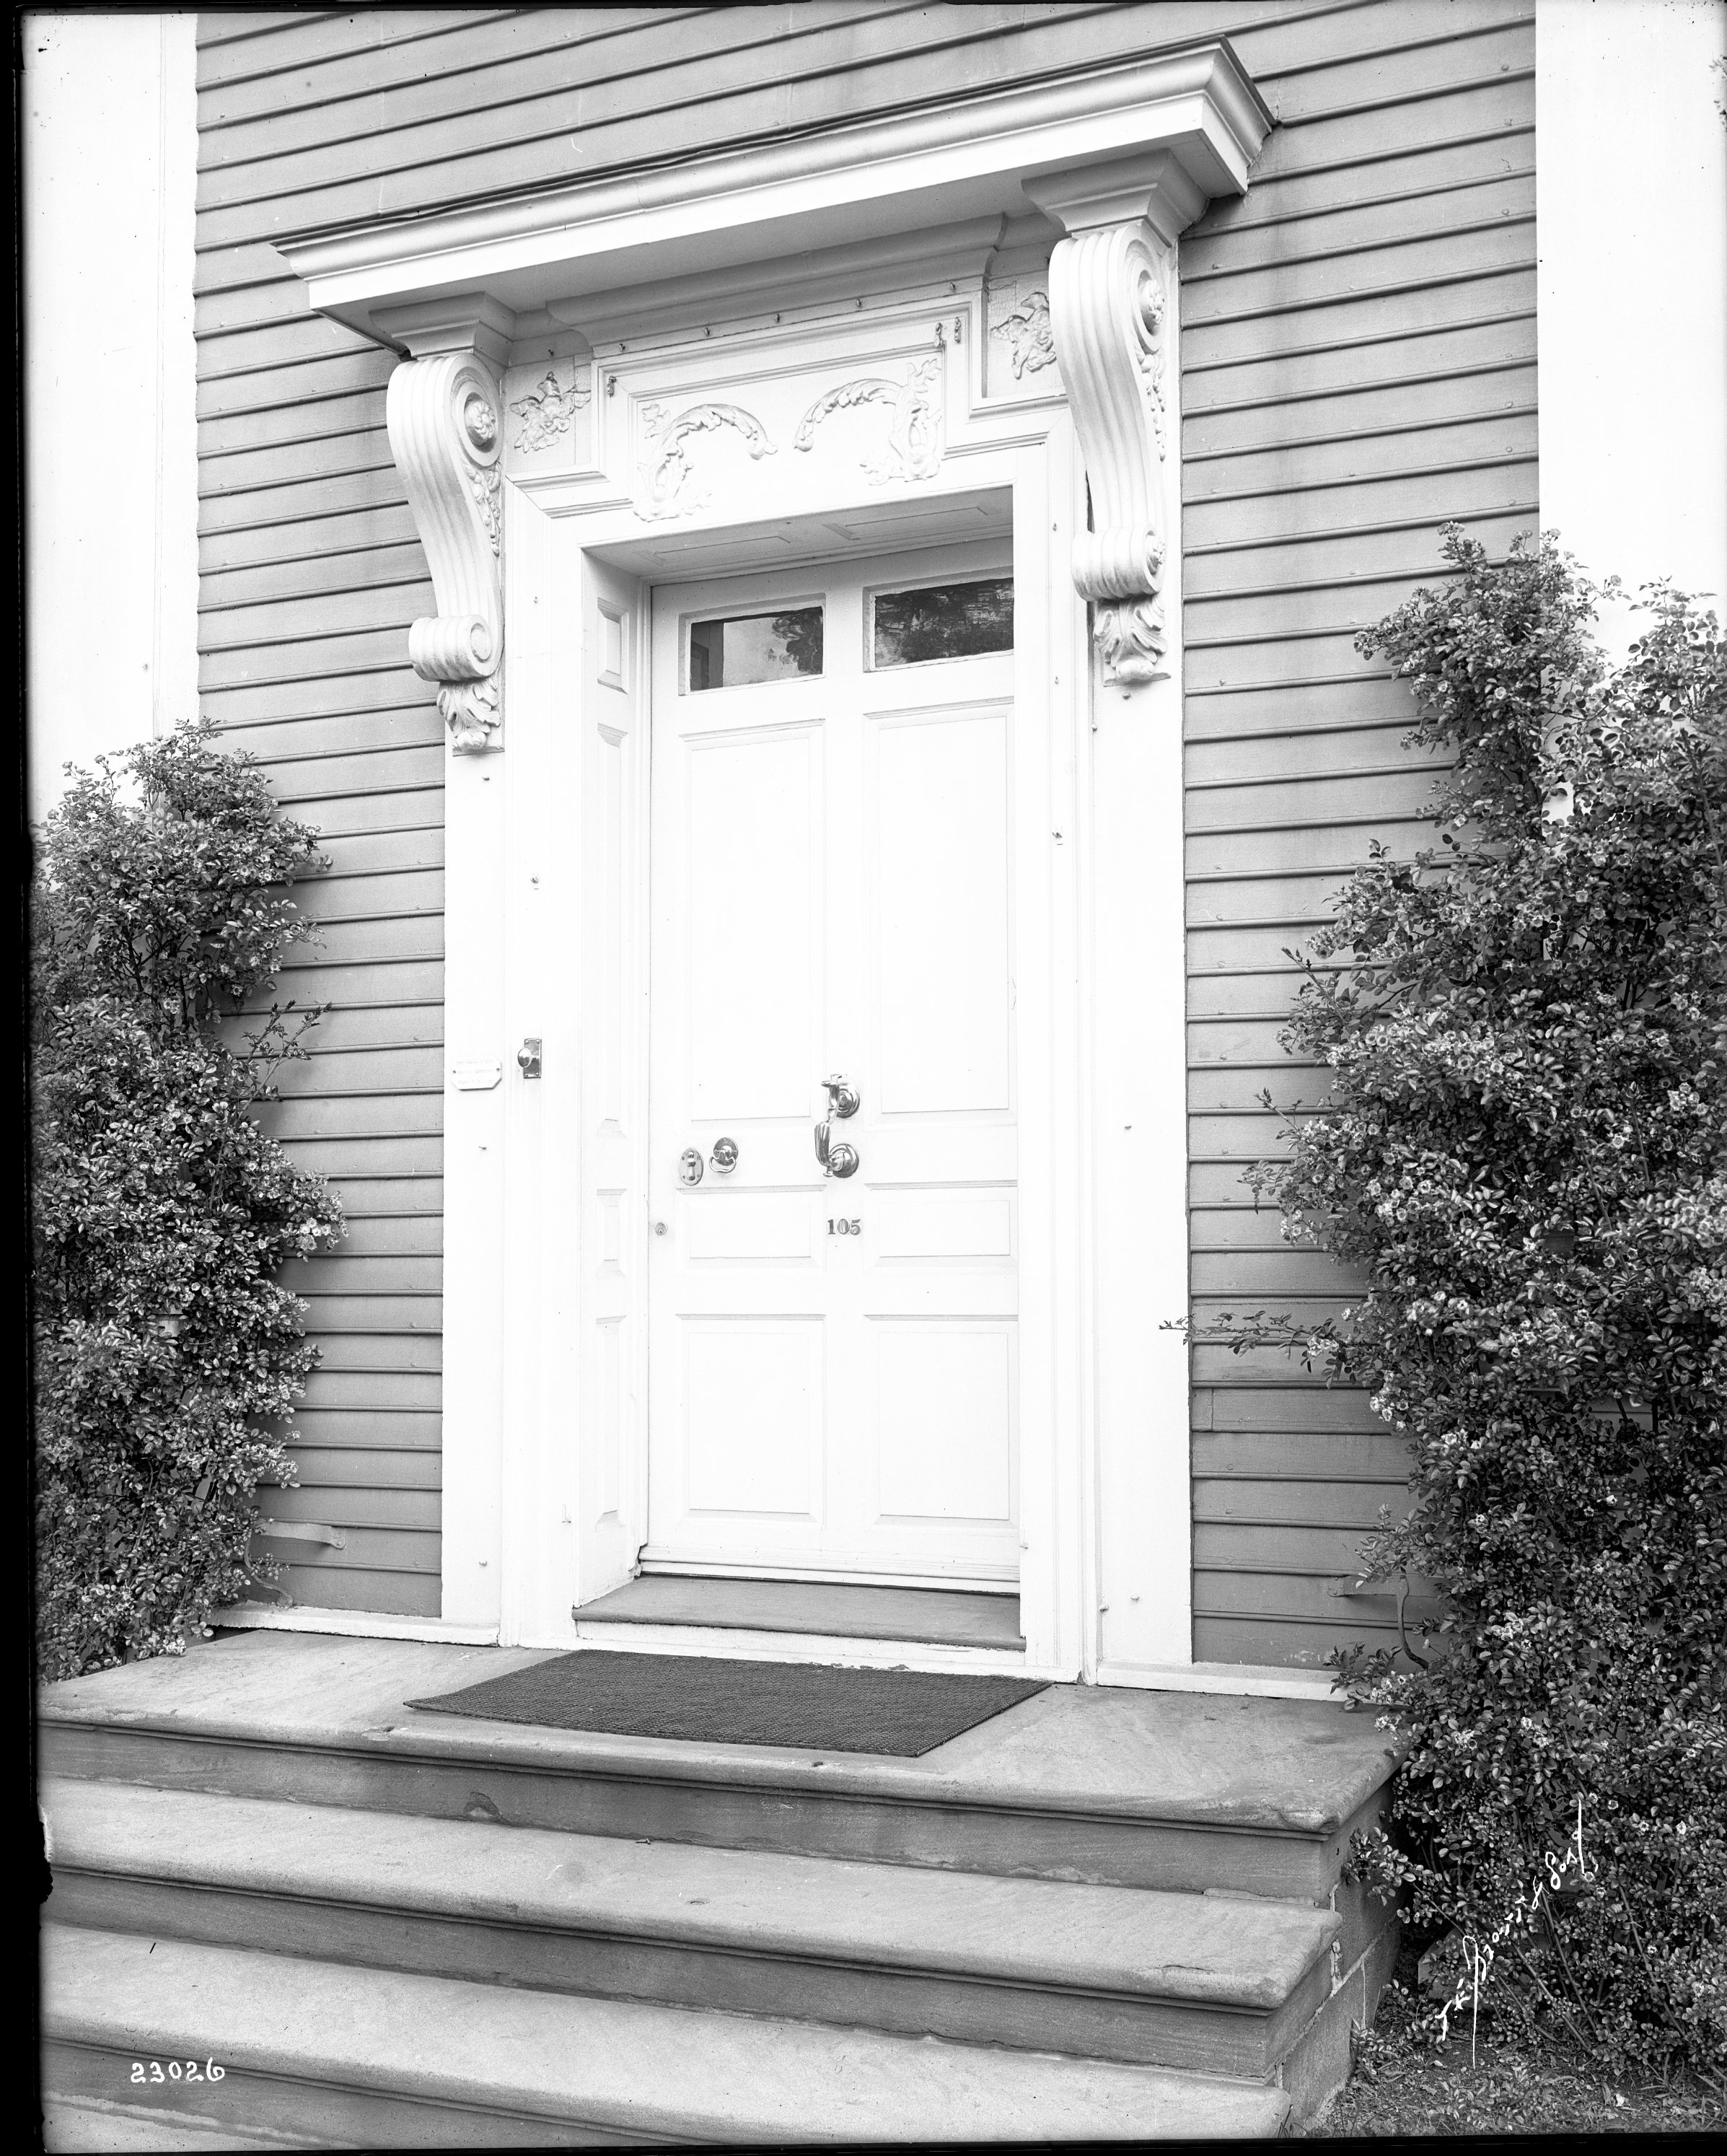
<point>845,1227</point>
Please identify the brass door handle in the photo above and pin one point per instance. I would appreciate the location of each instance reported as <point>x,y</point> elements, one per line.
<point>837,1160</point>
<point>842,1097</point>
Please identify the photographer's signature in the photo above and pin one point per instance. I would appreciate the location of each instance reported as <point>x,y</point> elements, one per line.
<point>1570,1863</point>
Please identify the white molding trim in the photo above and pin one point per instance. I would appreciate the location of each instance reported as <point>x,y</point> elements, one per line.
<point>964,157</point>
<point>443,414</point>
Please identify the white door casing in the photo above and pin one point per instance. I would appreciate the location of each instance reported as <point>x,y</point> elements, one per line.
<point>1102,1484</point>
<point>609,1429</point>
<point>833,1360</point>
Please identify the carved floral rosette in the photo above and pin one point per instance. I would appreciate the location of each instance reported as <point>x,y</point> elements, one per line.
<point>442,418</point>
<point>1109,299</point>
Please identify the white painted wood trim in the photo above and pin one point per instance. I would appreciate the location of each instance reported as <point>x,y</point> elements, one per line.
<point>1633,396</point>
<point>108,132</point>
<point>1105,1489</point>
<point>475,945</point>
<point>1139,1061</point>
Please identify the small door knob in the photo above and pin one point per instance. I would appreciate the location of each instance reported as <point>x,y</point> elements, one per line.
<point>725,1156</point>
<point>842,1097</point>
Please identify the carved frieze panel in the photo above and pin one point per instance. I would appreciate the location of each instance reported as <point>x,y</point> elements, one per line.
<point>812,412</point>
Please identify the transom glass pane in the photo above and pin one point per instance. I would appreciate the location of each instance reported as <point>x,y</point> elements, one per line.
<point>942,621</point>
<point>731,653</point>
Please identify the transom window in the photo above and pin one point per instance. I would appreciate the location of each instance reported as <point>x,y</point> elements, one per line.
<point>737,649</point>
<point>959,620</point>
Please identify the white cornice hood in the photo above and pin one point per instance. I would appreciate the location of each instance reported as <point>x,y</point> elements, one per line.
<point>1075,146</point>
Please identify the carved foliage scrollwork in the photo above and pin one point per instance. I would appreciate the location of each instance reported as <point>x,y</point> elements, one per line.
<point>1109,303</point>
<point>668,469</point>
<point>441,413</point>
<point>915,439</point>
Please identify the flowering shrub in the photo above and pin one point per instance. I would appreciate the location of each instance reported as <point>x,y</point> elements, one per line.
<point>1524,1149</point>
<point>164,1346</point>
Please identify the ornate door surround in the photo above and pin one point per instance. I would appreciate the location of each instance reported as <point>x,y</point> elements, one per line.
<point>1006,362</point>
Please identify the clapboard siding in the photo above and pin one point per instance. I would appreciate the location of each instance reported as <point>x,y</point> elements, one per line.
<point>310,573</point>
<point>1358,365</point>
<point>734,75</point>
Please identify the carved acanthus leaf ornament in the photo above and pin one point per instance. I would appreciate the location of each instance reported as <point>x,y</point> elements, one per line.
<point>666,476</point>
<point>915,443</point>
<point>1108,298</point>
<point>442,418</point>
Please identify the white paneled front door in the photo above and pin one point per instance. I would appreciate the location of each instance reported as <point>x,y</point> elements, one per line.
<point>833,1384</point>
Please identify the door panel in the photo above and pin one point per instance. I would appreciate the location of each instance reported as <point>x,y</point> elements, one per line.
<point>753,1412</point>
<point>944,1410</point>
<point>833,1377</point>
<point>753,827</point>
<point>938,863</point>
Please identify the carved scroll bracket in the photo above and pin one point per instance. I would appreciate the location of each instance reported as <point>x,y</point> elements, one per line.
<point>442,415</point>
<point>1110,288</point>
<point>1109,305</point>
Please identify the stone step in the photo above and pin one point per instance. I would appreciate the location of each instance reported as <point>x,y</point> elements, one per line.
<point>398,2059</point>
<point>91,2127</point>
<point>1226,1987</point>
<point>1177,1791</point>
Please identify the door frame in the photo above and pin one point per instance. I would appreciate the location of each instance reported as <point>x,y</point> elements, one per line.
<point>1103,1395</point>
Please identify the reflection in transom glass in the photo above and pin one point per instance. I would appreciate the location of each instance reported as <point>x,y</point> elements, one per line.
<point>731,653</point>
<point>941,621</point>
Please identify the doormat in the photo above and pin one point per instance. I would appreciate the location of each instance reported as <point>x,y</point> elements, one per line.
<point>811,1707</point>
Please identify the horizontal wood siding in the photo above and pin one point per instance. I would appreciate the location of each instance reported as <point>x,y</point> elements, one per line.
<point>309,573</point>
<point>1358,361</point>
<point>1358,357</point>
